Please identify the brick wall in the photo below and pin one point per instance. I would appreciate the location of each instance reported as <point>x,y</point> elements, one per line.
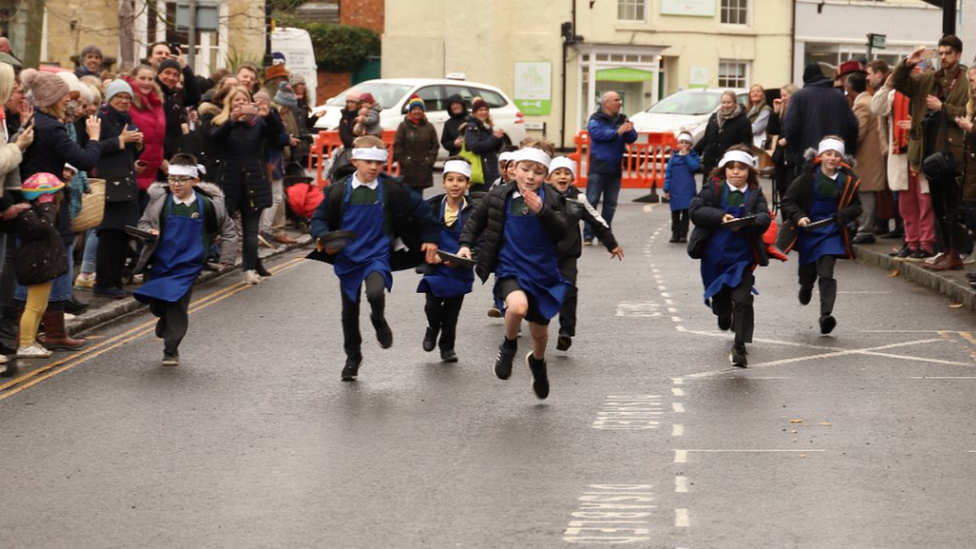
<point>331,84</point>
<point>362,13</point>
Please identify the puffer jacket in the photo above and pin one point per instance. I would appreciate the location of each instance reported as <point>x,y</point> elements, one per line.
<point>488,220</point>
<point>415,148</point>
<point>799,199</point>
<point>239,148</point>
<point>219,224</point>
<point>41,255</point>
<point>151,121</point>
<point>454,127</point>
<point>175,104</point>
<point>578,208</point>
<point>607,147</point>
<point>706,213</point>
<point>480,139</point>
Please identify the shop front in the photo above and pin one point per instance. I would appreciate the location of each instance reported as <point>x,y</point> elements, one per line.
<point>632,71</point>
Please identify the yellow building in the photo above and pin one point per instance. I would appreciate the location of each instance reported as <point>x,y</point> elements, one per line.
<point>644,49</point>
<point>123,29</point>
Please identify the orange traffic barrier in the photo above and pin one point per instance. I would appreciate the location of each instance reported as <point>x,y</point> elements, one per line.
<point>326,142</point>
<point>642,166</point>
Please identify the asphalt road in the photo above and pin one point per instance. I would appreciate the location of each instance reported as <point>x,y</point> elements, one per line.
<point>861,440</point>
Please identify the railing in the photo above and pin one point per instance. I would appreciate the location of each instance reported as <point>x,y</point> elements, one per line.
<point>642,166</point>
<point>326,142</point>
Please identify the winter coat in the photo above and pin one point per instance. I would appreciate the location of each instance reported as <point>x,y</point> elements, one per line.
<point>897,163</point>
<point>480,139</point>
<point>240,147</point>
<point>415,148</point>
<point>917,87</point>
<point>607,147</point>
<point>346,123</point>
<point>578,208</point>
<point>716,141</point>
<point>407,217</point>
<point>370,126</point>
<point>175,104</point>
<point>679,179</point>
<point>218,223</point>
<point>151,121</point>
<point>799,200</point>
<point>117,164</point>
<point>818,110</point>
<point>488,221</point>
<point>870,158</point>
<point>969,181</point>
<point>706,213</point>
<point>41,255</point>
<point>453,127</point>
<point>277,151</point>
<point>199,143</point>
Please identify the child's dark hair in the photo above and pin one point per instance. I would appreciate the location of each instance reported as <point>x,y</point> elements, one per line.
<point>183,159</point>
<point>460,159</point>
<point>540,144</point>
<point>719,172</point>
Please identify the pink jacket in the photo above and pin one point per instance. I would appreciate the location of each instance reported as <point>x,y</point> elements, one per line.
<point>151,121</point>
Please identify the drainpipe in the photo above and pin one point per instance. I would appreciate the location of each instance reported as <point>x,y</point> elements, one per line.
<point>948,17</point>
<point>793,46</point>
<point>566,44</point>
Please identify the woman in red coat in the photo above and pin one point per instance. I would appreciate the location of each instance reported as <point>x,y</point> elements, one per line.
<point>148,115</point>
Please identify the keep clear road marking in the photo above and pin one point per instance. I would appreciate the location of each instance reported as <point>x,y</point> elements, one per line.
<point>612,514</point>
<point>48,371</point>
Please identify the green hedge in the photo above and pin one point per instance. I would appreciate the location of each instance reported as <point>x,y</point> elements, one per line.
<point>338,47</point>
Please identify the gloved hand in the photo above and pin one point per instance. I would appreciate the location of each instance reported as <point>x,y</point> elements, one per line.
<point>45,198</point>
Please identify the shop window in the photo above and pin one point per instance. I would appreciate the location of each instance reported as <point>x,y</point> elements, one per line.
<point>733,74</point>
<point>631,10</point>
<point>735,12</point>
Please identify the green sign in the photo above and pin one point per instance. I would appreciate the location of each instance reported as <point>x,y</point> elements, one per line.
<point>624,74</point>
<point>879,41</point>
<point>533,88</point>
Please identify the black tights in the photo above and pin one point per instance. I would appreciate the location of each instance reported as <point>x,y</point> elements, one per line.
<point>376,296</point>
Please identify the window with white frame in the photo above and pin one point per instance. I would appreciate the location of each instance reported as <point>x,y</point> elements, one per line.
<point>631,10</point>
<point>733,74</point>
<point>735,12</point>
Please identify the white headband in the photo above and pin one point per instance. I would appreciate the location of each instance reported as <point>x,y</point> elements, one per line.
<point>506,156</point>
<point>375,153</point>
<point>685,136</point>
<point>831,145</point>
<point>532,154</point>
<point>738,156</point>
<point>190,171</point>
<point>458,166</point>
<point>563,162</point>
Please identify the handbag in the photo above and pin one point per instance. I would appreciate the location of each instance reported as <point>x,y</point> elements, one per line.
<point>120,189</point>
<point>92,207</point>
<point>940,164</point>
<point>477,169</point>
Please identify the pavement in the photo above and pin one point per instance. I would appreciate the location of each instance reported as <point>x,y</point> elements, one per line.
<point>649,438</point>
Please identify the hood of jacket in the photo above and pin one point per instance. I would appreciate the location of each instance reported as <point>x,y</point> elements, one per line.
<point>464,107</point>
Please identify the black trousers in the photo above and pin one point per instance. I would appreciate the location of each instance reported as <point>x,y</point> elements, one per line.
<point>679,223</point>
<point>250,221</point>
<point>376,296</point>
<point>174,319</point>
<point>442,316</point>
<point>738,303</point>
<point>822,271</point>
<point>113,245</point>
<point>946,197</point>
<point>567,313</point>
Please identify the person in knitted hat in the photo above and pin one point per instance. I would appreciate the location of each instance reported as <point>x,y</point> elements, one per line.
<point>415,147</point>
<point>286,97</point>
<point>89,62</point>
<point>368,120</point>
<point>305,117</point>
<point>279,156</point>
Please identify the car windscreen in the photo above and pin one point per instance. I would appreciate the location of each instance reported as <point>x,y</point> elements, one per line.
<point>688,103</point>
<point>386,94</point>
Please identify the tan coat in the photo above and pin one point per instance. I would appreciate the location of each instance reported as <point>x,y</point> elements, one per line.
<point>870,158</point>
<point>917,87</point>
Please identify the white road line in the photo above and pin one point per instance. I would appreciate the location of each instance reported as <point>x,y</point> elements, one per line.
<point>677,430</point>
<point>744,451</point>
<point>678,381</point>
<point>672,310</point>
<point>676,319</point>
<point>681,456</point>
<point>668,302</point>
<point>678,407</point>
<point>663,294</point>
<point>681,485</point>
<point>681,518</point>
<point>940,377</point>
<point>662,288</point>
<point>678,392</point>
<point>681,328</point>
<point>852,292</point>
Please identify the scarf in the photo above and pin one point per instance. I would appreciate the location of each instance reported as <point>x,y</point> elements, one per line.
<point>756,109</point>
<point>722,117</point>
<point>899,112</point>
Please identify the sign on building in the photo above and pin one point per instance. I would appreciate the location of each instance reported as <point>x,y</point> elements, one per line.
<point>533,88</point>
<point>694,8</point>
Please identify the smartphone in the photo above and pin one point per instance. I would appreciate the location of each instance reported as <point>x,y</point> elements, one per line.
<point>249,109</point>
<point>930,53</point>
<point>174,48</point>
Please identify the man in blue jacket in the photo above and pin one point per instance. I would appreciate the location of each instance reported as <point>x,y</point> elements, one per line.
<point>610,133</point>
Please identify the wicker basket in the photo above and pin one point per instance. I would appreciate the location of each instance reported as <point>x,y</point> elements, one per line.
<point>92,207</point>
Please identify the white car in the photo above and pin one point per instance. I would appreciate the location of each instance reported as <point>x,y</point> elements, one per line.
<point>394,93</point>
<point>687,110</point>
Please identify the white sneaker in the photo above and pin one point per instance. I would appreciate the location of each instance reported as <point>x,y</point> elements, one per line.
<point>969,259</point>
<point>934,258</point>
<point>251,277</point>
<point>34,351</point>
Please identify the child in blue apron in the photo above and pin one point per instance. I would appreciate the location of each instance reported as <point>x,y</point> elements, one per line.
<point>378,210</point>
<point>186,221</point>
<point>679,185</point>
<point>522,222</point>
<point>562,173</point>
<point>730,255</point>
<point>445,284</point>
<point>829,191</point>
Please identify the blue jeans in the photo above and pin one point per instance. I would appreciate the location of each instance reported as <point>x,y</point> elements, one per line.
<point>60,287</point>
<point>606,186</point>
<point>91,250</point>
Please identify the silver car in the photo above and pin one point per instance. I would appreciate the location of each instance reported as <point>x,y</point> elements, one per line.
<point>686,110</point>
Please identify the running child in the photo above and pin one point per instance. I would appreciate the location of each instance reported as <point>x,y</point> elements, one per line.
<point>679,185</point>
<point>730,255</point>
<point>523,222</point>
<point>562,174</point>
<point>383,215</point>
<point>186,216</point>
<point>446,284</point>
<point>827,192</point>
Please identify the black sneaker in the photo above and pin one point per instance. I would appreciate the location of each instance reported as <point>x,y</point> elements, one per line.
<point>724,322</point>
<point>806,294</point>
<point>564,342</point>
<point>540,379</point>
<point>901,253</point>
<point>863,238</point>
<point>351,370</point>
<point>75,307</point>
<point>448,355</point>
<point>430,339</point>
<point>920,256</point>
<point>827,324</point>
<point>503,364</point>
<point>384,335</point>
<point>675,239</point>
<point>171,360</point>
<point>111,293</point>
<point>738,356</point>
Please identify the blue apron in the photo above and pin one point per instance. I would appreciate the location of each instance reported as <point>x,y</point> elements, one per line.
<point>528,256</point>
<point>812,244</point>
<point>178,259</point>
<point>727,253</point>
<point>370,251</point>
<point>443,281</point>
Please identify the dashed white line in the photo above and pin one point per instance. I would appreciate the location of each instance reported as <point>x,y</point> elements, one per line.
<point>678,381</point>
<point>664,294</point>
<point>681,456</point>
<point>678,392</point>
<point>678,407</point>
<point>681,518</point>
<point>681,485</point>
<point>677,430</point>
<point>672,310</point>
<point>676,319</point>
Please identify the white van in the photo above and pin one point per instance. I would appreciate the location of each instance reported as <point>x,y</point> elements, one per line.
<point>293,48</point>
